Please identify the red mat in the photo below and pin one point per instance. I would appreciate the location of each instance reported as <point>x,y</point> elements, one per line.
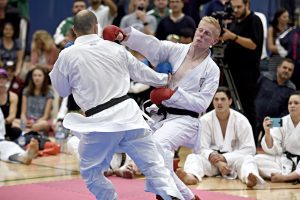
<point>127,189</point>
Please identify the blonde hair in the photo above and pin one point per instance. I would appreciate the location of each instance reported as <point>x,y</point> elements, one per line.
<point>213,21</point>
<point>44,37</point>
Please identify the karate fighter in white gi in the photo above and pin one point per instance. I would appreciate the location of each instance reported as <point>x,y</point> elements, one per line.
<point>281,144</point>
<point>11,152</point>
<point>227,146</point>
<point>97,73</point>
<point>195,78</point>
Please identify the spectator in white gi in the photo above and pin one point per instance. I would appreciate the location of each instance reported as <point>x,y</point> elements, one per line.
<point>227,146</point>
<point>112,121</point>
<point>281,144</point>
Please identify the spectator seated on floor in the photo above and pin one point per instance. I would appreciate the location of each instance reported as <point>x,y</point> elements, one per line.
<point>281,142</point>
<point>8,104</point>
<point>227,146</point>
<point>37,103</point>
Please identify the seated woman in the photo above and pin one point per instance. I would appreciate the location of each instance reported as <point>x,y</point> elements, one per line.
<point>43,50</point>
<point>10,49</point>
<point>281,144</point>
<point>37,102</point>
<point>8,104</point>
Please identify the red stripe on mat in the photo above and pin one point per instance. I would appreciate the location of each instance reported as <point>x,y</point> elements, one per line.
<point>127,189</point>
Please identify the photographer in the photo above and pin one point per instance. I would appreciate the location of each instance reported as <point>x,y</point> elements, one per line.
<point>139,19</point>
<point>281,144</point>
<point>242,53</point>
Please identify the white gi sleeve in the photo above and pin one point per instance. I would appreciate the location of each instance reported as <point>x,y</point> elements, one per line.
<point>142,73</point>
<point>276,149</point>
<point>60,81</point>
<point>154,50</point>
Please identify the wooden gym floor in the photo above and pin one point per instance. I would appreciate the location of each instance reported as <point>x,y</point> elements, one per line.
<point>64,167</point>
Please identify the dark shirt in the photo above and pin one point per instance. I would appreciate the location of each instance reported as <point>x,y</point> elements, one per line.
<point>240,58</point>
<point>272,99</point>
<point>166,26</point>
<point>213,6</point>
<point>291,42</point>
<point>12,15</point>
<point>9,54</point>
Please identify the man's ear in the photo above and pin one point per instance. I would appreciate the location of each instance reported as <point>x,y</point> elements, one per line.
<point>96,29</point>
<point>74,31</point>
<point>215,41</point>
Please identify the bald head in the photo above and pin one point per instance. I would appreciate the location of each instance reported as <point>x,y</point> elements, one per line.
<point>85,22</point>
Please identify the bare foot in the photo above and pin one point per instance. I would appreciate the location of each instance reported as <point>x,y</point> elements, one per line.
<point>252,180</point>
<point>124,172</point>
<point>188,179</point>
<point>31,152</point>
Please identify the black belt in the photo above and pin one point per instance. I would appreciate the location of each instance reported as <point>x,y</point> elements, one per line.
<point>290,156</point>
<point>106,105</point>
<point>176,111</point>
<point>221,152</point>
<point>123,159</point>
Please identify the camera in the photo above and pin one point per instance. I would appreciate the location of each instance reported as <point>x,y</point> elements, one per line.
<point>224,16</point>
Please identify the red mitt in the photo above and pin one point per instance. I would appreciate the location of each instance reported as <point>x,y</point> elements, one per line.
<point>158,95</point>
<point>110,32</point>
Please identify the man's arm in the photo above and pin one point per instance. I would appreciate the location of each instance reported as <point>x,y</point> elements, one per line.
<point>142,73</point>
<point>60,82</point>
<point>243,41</point>
<point>153,49</point>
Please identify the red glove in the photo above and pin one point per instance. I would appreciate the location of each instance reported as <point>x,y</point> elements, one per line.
<point>158,95</point>
<point>110,32</point>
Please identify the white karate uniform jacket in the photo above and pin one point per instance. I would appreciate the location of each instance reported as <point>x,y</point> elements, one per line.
<point>194,91</point>
<point>238,147</point>
<point>66,79</point>
<point>285,138</point>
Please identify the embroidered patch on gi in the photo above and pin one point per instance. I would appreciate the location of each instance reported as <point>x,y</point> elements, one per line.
<point>201,81</point>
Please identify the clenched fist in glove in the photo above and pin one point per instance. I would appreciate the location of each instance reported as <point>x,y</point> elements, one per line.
<point>158,95</point>
<point>164,67</point>
<point>113,33</point>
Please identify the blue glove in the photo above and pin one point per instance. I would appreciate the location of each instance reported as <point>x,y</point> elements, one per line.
<point>164,67</point>
<point>69,44</point>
